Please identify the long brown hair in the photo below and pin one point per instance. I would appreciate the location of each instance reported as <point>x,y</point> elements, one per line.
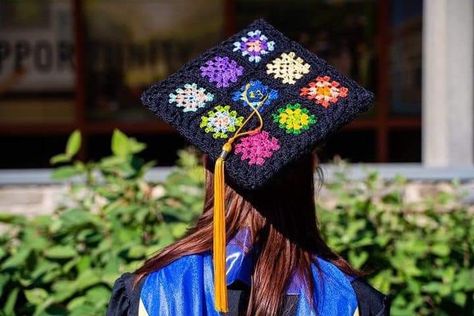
<point>282,221</point>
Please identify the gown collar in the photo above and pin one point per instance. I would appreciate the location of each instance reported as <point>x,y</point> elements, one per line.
<point>240,261</point>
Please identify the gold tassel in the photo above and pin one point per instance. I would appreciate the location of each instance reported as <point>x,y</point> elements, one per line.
<point>219,240</point>
<point>219,231</point>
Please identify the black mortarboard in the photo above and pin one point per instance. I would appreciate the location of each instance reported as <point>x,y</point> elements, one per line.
<point>283,98</point>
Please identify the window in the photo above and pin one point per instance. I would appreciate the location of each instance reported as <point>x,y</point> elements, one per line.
<point>67,64</point>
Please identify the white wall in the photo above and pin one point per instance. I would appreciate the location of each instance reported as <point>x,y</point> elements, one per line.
<point>448,73</point>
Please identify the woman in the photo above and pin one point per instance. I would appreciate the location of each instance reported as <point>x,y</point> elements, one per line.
<point>256,104</point>
<point>277,261</point>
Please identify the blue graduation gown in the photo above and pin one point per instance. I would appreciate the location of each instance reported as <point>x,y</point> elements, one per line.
<point>185,287</point>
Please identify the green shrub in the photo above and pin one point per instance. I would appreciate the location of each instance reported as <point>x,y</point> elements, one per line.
<point>112,218</point>
<point>422,254</point>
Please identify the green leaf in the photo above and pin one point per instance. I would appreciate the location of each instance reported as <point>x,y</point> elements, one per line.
<point>9,307</point>
<point>111,162</point>
<point>51,275</point>
<point>441,249</point>
<point>60,252</point>
<point>15,219</point>
<point>62,290</point>
<point>84,310</point>
<point>124,146</point>
<point>34,240</point>
<point>72,148</point>
<point>76,303</point>
<point>42,267</point>
<point>98,295</point>
<point>460,298</point>
<point>17,259</point>
<point>382,281</point>
<point>76,218</point>
<point>119,144</point>
<point>178,229</point>
<point>3,253</point>
<point>432,287</point>
<point>73,143</point>
<point>84,263</point>
<point>464,280</point>
<point>358,258</point>
<point>60,158</point>
<point>36,296</point>
<point>4,278</point>
<point>86,279</point>
<point>65,172</point>
<point>134,146</point>
<point>137,251</point>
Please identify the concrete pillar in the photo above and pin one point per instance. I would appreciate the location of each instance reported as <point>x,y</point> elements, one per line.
<point>448,77</point>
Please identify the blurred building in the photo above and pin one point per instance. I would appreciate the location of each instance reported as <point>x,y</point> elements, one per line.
<point>67,64</point>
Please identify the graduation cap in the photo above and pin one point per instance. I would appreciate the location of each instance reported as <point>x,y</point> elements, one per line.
<point>254,103</point>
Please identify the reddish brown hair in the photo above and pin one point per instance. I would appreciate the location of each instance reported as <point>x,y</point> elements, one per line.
<point>282,221</point>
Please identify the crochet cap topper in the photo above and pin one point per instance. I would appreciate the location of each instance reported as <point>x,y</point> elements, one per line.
<point>254,103</point>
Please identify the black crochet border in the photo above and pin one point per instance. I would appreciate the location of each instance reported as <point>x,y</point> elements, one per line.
<point>239,172</point>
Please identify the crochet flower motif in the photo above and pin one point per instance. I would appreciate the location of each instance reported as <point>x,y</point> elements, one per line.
<point>323,91</point>
<point>222,71</point>
<point>254,45</point>
<point>257,148</point>
<point>220,121</point>
<point>255,94</point>
<point>288,67</point>
<point>294,119</point>
<point>190,97</point>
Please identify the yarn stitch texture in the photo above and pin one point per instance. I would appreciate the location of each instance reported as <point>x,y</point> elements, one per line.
<point>257,148</point>
<point>190,97</point>
<point>221,121</point>
<point>254,93</point>
<point>324,91</point>
<point>222,71</point>
<point>288,67</point>
<point>294,119</point>
<point>254,45</point>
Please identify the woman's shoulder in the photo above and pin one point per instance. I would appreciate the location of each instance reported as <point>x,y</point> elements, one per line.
<point>369,300</point>
<point>125,296</point>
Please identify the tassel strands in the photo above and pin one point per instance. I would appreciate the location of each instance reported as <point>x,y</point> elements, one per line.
<point>219,231</point>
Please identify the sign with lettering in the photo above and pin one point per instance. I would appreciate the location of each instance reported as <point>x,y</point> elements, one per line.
<point>38,57</point>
